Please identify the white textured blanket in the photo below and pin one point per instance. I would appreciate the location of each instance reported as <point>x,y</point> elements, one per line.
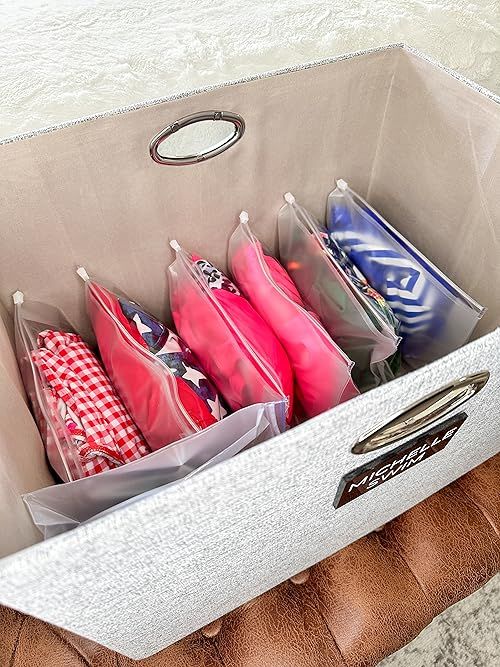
<point>63,59</point>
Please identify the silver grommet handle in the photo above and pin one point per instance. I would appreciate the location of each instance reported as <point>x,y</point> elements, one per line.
<point>422,413</point>
<point>211,151</point>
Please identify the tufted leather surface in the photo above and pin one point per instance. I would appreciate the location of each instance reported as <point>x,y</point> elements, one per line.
<point>350,610</point>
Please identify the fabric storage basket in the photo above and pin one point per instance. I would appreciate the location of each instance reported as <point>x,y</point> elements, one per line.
<point>423,146</point>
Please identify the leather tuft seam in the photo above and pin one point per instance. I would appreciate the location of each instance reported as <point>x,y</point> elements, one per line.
<point>16,643</point>
<point>70,645</point>
<point>314,602</point>
<point>214,641</point>
<point>394,550</point>
<point>467,497</point>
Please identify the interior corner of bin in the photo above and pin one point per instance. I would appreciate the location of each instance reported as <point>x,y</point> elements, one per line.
<point>396,54</point>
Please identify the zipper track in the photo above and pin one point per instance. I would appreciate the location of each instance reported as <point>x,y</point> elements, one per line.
<point>145,351</point>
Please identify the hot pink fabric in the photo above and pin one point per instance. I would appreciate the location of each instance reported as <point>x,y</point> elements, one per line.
<point>321,371</point>
<point>236,347</point>
<point>162,403</point>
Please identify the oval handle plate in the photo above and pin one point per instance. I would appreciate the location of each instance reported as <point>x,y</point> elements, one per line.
<point>219,140</point>
<point>422,413</point>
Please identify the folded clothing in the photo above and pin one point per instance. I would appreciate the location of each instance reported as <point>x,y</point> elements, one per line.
<point>100,427</point>
<point>234,344</point>
<point>91,497</point>
<point>322,372</point>
<point>359,280</point>
<point>157,376</point>
<point>196,392</point>
<point>436,316</point>
<point>352,313</point>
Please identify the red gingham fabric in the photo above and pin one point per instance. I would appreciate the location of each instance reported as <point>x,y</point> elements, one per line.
<point>110,438</point>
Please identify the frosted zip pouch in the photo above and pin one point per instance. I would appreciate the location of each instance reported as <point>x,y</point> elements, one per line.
<point>436,316</point>
<point>235,345</point>
<point>156,374</point>
<point>59,508</point>
<point>84,425</point>
<point>349,311</point>
<point>322,372</point>
<point>376,306</point>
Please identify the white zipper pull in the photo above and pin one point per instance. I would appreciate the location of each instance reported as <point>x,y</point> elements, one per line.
<point>244,218</point>
<point>342,185</point>
<point>83,274</point>
<point>175,245</point>
<point>289,198</point>
<point>18,298</point>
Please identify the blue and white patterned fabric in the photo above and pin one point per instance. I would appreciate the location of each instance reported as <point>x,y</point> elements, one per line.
<point>175,354</point>
<point>435,317</point>
<point>359,281</point>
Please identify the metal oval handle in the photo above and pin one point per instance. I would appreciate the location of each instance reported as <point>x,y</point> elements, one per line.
<point>228,116</point>
<point>422,413</point>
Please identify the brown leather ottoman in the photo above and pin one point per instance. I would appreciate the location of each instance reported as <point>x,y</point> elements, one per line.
<point>350,610</point>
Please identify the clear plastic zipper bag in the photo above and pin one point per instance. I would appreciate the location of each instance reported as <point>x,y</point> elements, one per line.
<point>436,315</point>
<point>31,319</point>
<point>351,313</point>
<point>322,372</point>
<point>234,344</point>
<point>84,425</point>
<point>59,508</point>
<point>158,378</point>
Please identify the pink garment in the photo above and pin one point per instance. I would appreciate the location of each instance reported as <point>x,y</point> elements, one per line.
<point>150,381</point>
<point>233,343</point>
<point>322,372</point>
